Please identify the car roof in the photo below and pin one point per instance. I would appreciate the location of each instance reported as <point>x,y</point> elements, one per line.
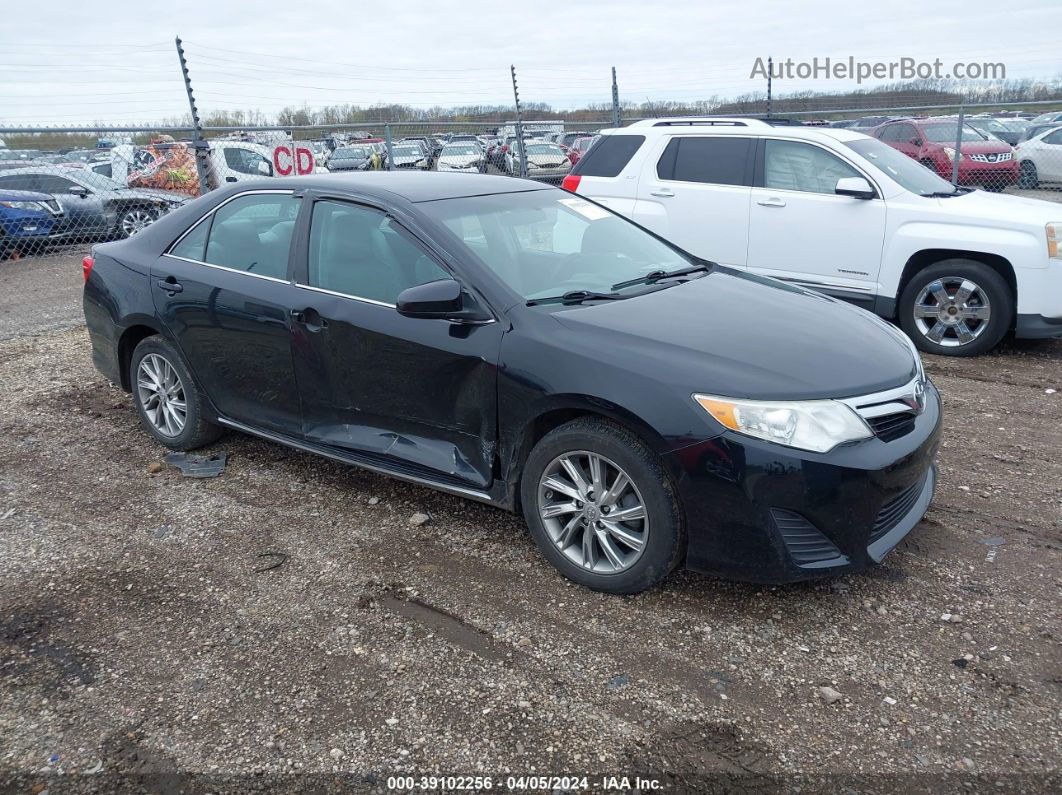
<point>415,187</point>
<point>754,127</point>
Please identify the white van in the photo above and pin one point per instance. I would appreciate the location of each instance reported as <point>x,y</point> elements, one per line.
<point>842,213</point>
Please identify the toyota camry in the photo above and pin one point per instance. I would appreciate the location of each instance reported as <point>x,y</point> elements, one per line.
<point>513,343</point>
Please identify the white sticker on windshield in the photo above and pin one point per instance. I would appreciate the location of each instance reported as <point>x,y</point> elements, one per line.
<point>586,209</point>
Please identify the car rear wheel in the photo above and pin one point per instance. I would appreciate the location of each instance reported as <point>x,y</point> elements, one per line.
<point>956,307</point>
<point>602,508</point>
<point>1027,176</point>
<point>135,219</point>
<point>167,399</point>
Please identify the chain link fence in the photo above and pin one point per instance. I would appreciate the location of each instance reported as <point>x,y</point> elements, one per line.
<point>61,189</point>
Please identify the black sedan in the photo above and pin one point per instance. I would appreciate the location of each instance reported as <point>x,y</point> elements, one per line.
<point>512,343</point>
<point>93,206</point>
<point>351,158</point>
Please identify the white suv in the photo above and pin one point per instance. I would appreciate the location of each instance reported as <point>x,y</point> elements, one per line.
<point>842,213</point>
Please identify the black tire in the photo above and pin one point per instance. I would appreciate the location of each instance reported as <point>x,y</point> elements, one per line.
<point>1028,178</point>
<point>995,289</point>
<point>197,430</point>
<point>665,544</point>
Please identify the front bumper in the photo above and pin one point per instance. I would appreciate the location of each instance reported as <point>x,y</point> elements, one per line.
<point>761,512</point>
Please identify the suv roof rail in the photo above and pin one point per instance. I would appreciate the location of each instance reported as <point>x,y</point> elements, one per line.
<point>695,121</point>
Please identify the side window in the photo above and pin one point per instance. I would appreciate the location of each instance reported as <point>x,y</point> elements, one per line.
<point>1053,138</point>
<point>245,161</point>
<point>889,133</point>
<point>253,233</point>
<point>360,252</point>
<point>49,183</point>
<point>790,165</point>
<point>193,244</point>
<point>714,160</point>
<point>17,182</point>
<point>609,156</point>
<point>905,133</point>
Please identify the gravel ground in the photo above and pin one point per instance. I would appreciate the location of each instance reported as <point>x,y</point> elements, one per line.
<point>286,627</point>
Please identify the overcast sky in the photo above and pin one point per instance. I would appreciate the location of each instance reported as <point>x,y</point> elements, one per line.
<point>78,62</point>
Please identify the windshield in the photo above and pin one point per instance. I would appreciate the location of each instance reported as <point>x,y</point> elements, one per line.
<point>900,168</point>
<point>544,243</point>
<point>459,150</point>
<point>989,125</point>
<point>98,181</point>
<point>357,153</point>
<point>407,151</point>
<point>946,133</point>
<point>543,149</point>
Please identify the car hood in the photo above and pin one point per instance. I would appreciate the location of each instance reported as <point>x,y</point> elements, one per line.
<point>548,161</point>
<point>981,147</point>
<point>739,335</point>
<point>149,193</point>
<point>459,160</point>
<point>997,209</point>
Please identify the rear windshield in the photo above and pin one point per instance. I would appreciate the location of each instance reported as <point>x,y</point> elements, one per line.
<point>609,156</point>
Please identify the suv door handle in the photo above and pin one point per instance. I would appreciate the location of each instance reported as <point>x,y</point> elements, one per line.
<point>170,285</point>
<point>774,201</point>
<point>666,192</point>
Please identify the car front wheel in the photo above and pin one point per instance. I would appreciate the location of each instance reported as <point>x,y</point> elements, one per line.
<point>135,219</point>
<point>1027,176</point>
<point>602,508</point>
<point>167,399</point>
<point>956,307</point>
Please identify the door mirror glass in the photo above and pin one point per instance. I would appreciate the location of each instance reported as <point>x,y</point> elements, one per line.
<point>438,299</point>
<point>265,168</point>
<point>856,187</point>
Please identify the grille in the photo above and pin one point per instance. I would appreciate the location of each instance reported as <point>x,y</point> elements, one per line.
<point>895,509</point>
<point>807,546</point>
<point>888,427</point>
<point>992,158</point>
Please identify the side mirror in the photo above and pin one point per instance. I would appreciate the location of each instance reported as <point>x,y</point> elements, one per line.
<point>79,190</point>
<point>439,300</point>
<point>916,141</point>
<point>265,169</point>
<point>856,187</point>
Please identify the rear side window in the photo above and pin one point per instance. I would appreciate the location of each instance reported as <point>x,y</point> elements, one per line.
<point>714,160</point>
<point>253,233</point>
<point>609,156</point>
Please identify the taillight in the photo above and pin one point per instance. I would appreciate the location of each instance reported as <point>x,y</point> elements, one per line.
<point>571,183</point>
<point>86,266</point>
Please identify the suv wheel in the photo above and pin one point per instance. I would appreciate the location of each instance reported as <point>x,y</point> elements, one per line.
<point>602,508</point>
<point>956,307</point>
<point>167,399</point>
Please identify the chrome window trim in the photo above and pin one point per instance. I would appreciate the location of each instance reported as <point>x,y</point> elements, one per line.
<point>213,210</point>
<point>344,295</point>
<point>230,270</point>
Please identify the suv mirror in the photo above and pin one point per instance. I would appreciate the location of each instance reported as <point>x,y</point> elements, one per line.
<point>79,190</point>
<point>265,168</point>
<point>856,187</point>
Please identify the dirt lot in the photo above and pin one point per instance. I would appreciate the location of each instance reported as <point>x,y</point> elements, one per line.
<point>284,626</point>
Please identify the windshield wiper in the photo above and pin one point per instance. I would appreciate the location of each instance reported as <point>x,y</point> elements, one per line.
<point>576,297</point>
<point>947,194</point>
<point>655,276</point>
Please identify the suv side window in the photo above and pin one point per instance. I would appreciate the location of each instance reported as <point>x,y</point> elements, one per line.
<point>718,160</point>
<point>791,165</point>
<point>358,251</point>
<point>1053,138</point>
<point>890,132</point>
<point>252,233</point>
<point>609,156</point>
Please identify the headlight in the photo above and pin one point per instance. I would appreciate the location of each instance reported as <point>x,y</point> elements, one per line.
<point>23,205</point>
<point>816,425</point>
<point>950,153</point>
<point>1054,234</point>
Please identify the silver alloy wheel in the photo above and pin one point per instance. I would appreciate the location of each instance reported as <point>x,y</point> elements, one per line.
<point>952,311</point>
<point>136,220</point>
<point>161,395</point>
<point>593,512</point>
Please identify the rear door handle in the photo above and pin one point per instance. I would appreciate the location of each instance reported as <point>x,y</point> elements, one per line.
<point>170,285</point>
<point>774,201</point>
<point>666,192</point>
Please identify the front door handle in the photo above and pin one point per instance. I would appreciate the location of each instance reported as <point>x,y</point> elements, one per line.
<point>231,179</point>
<point>170,285</point>
<point>310,318</point>
<point>774,201</point>
<point>665,192</point>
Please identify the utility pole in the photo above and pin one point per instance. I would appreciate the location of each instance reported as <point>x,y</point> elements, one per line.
<point>615,100</point>
<point>770,69</point>
<point>200,145</point>
<point>958,147</point>
<point>519,126</point>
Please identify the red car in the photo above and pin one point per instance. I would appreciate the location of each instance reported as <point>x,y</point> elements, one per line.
<point>579,147</point>
<point>984,161</point>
